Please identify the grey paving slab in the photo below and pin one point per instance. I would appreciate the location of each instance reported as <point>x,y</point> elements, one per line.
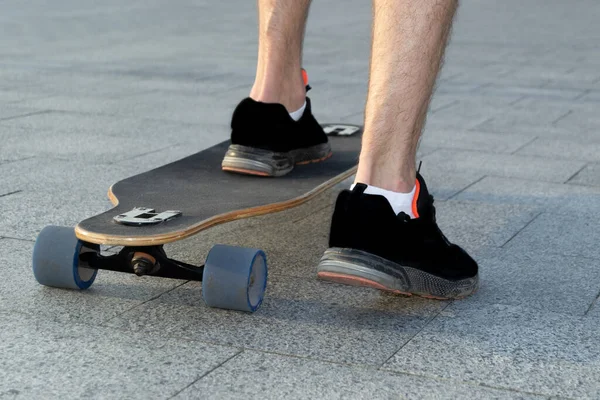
<point>542,93</point>
<point>462,115</point>
<point>531,115</point>
<point>590,175</point>
<point>166,106</point>
<point>44,81</point>
<point>42,359</point>
<point>507,347</point>
<point>254,375</point>
<point>476,226</point>
<point>168,74</point>
<point>569,149</point>
<point>10,112</point>
<point>111,294</point>
<point>444,184</point>
<point>301,317</point>
<point>548,196</point>
<point>12,96</point>
<point>510,125</point>
<point>513,166</point>
<point>573,234</point>
<point>57,177</point>
<point>100,138</point>
<point>593,96</point>
<point>532,278</point>
<point>444,137</point>
<point>594,310</point>
<point>580,120</point>
<point>25,213</point>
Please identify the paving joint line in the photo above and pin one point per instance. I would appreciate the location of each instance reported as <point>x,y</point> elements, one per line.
<point>525,145</point>
<point>466,187</point>
<point>10,193</point>
<point>522,229</point>
<point>103,323</point>
<point>426,324</point>
<point>594,302</point>
<point>20,239</point>
<point>25,115</point>
<point>208,372</point>
<point>577,173</point>
<point>553,123</point>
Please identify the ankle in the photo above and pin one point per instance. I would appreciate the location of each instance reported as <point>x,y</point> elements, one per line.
<point>393,177</point>
<point>291,101</point>
<point>287,91</point>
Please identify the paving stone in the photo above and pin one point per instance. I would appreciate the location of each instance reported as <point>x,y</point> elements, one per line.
<point>475,226</point>
<point>568,149</point>
<point>443,184</point>
<point>442,137</point>
<point>110,295</point>
<point>572,234</point>
<point>10,112</point>
<point>167,106</point>
<point>77,136</point>
<point>168,74</point>
<point>505,165</point>
<point>254,375</point>
<point>14,96</point>
<point>507,347</point>
<point>534,279</point>
<point>298,317</point>
<point>42,359</point>
<point>593,95</point>
<point>581,121</point>
<point>548,196</point>
<point>590,175</point>
<point>542,93</point>
<point>25,213</point>
<point>57,177</point>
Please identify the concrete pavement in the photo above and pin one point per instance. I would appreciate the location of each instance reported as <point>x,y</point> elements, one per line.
<point>94,92</point>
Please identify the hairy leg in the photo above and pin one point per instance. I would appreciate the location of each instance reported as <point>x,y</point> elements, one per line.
<point>281,25</point>
<point>408,42</point>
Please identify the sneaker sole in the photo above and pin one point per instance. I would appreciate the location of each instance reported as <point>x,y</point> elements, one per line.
<point>359,268</point>
<point>252,161</point>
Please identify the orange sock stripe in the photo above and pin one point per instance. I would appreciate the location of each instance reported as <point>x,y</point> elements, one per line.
<point>414,203</point>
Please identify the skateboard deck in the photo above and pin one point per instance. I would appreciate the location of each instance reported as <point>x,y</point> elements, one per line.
<point>204,195</point>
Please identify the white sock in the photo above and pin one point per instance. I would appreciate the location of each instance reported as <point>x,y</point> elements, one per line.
<point>296,115</point>
<point>399,201</point>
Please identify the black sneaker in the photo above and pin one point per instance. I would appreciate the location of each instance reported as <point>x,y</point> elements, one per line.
<point>372,246</point>
<point>266,141</point>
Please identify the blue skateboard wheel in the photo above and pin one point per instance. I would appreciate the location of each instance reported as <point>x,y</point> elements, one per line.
<point>56,259</point>
<point>234,278</point>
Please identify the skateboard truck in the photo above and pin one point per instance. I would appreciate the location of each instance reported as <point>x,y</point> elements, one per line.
<point>140,216</point>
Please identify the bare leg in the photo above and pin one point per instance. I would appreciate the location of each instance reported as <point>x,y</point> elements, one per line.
<point>281,25</point>
<point>409,39</point>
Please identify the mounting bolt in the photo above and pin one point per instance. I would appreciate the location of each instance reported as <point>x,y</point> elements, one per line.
<point>144,264</point>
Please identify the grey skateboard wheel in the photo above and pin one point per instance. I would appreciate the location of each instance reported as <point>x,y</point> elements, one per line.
<point>56,259</point>
<point>234,278</point>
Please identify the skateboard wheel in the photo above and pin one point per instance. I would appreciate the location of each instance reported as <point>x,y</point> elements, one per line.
<point>234,278</point>
<point>56,259</point>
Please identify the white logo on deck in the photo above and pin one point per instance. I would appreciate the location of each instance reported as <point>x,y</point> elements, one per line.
<point>340,130</point>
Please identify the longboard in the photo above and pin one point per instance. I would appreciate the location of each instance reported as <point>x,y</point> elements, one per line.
<point>204,195</point>
<point>178,200</point>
